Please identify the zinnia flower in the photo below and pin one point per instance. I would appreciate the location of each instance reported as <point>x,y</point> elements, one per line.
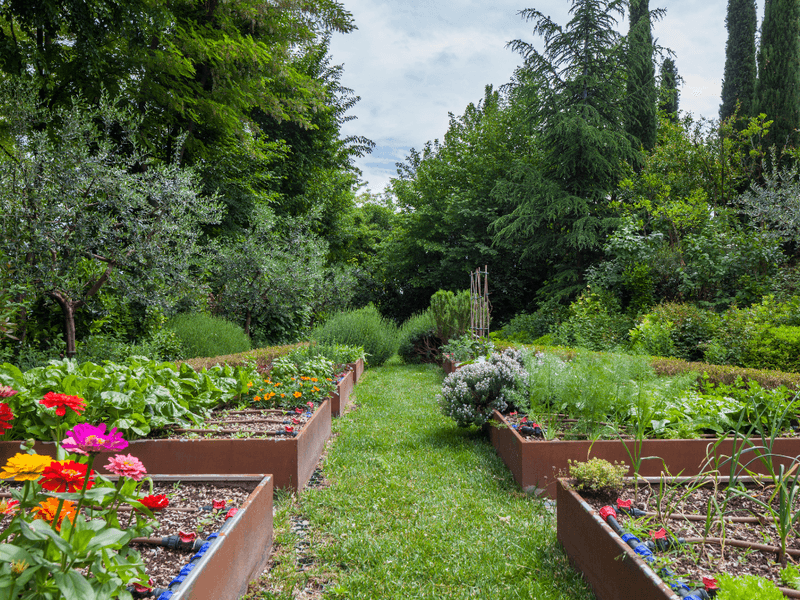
<point>85,438</point>
<point>5,416</point>
<point>47,512</point>
<point>8,507</point>
<point>298,394</point>
<point>62,402</point>
<point>126,465</point>
<point>25,467</point>
<point>6,391</point>
<point>155,502</point>
<point>66,476</point>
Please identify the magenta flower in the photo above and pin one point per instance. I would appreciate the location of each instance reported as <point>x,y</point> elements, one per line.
<point>126,465</point>
<point>91,439</point>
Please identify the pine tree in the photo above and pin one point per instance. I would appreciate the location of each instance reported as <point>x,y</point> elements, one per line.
<point>641,84</point>
<point>778,89</point>
<point>739,82</point>
<point>668,92</point>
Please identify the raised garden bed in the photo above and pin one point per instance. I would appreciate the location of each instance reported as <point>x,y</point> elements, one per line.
<point>239,551</point>
<point>617,571</point>
<point>536,464</point>
<point>449,366</point>
<point>340,399</point>
<point>357,368</point>
<point>290,460</point>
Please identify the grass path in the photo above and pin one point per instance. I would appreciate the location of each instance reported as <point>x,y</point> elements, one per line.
<point>417,508</point>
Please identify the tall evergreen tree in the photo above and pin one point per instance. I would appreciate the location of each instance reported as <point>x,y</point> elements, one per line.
<point>668,92</point>
<point>778,89</point>
<point>739,82</point>
<point>642,98</point>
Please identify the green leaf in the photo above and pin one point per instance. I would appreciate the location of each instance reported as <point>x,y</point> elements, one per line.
<point>74,586</point>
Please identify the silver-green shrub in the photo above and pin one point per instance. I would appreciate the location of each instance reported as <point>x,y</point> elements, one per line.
<point>475,390</point>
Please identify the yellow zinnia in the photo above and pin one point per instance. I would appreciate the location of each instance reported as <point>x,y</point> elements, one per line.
<point>25,467</point>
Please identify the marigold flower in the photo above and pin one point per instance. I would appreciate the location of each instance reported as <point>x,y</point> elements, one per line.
<point>256,398</point>
<point>297,394</point>
<point>305,378</point>
<point>8,507</point>
<point>5,416</point>
<point>66,476</point>
<point>283,395</point>
<point>6,391</point>
<point>85,438</point>
<point>278,383</point>
<point>25,467</point>
<point>314,379</point>
<point>126,465</point>
<point>62,402</point>
<point>47,512</point>
<point>249,384</point>
<point>155,502</point>
<point>315,389</point>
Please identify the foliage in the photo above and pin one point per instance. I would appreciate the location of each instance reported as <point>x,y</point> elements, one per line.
<point>467,347</point>
<point>653,337</point>
<point>136,398</point>
<point>775,348</point>
<point>594,322</point>
<point>690,328</point>
<point>641,97</point>
<point>597,475</point>
<point>84,206</point>
<point>744,587</point>
<point>262,358</point>
<point>473,392</point>
<point>362,327</point>
<point>778,87</point>
<point>451,312</point>
<point>339,354</point>
<point>418,340</point>
<point>668,92</point>
<point>206,335</point>
<point>739,79</point>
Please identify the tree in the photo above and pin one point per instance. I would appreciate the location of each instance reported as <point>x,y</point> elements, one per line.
<point>559,194</point>
<point>641,84</point>
<point>739,80</point>
<point>778,89</point>
<point>82,207</point>
<point>668,92</point>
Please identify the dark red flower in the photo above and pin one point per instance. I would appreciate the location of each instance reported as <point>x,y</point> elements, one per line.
<point>5,416</point>
<point>62,402</point>
<point>65,476</point>
<point>155,502</point>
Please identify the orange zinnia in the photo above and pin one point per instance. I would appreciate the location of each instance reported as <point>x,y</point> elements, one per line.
<point>47,512</point>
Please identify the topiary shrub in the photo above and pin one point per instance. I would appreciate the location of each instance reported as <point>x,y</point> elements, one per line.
<point>202,335</point>
<point>473,392</point>
<point>363,327</point>
<point>418,340</point>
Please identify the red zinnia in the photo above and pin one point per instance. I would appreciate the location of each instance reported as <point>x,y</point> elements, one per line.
<point>62,402</point>
<point>66,476</point>
<point>5,416</point>
<point>155,502</point>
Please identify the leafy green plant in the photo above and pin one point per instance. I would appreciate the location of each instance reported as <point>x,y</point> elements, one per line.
<point>205,335</point>
<point>790,576</point>
<point>363,327</point>
<point>466,347</point>
<point>597,475</point>
<point>746,587</point>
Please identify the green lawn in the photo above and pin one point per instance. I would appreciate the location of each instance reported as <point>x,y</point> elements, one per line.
<point>417,508</point>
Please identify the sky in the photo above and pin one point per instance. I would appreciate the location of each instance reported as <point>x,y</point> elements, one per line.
<point>414,61</point>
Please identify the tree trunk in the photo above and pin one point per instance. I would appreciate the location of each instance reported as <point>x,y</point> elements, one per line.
<point>247,323</point>
<point>68,309</point>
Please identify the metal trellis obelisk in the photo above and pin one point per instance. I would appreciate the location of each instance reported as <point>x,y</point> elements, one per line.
<point>479,299</point>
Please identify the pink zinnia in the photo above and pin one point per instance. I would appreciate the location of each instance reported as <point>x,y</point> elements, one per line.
<point>6,391</point>
<point>126,465</point>
<point>85,438</point>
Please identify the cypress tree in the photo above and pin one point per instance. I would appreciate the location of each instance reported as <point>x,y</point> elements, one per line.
<point>739,81</point>
<point>641,84</point>
<point>778,89</point>
<point>668,90</point>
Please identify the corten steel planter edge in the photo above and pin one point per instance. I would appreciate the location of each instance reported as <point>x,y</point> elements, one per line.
<point>357,368</point>
<point>536,465</point>
<point>240,552</point>
<point>449,366</point>
<point>608,564</point>
<point>290,460</point>
<point>340,399</point>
